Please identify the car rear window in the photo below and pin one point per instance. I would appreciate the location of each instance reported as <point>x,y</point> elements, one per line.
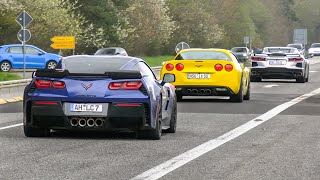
<point>203,55</point>
<point>315,45</point>
<point>92,65</point>
<point>239,50</point>
<point>279,50</point>
<point>295,46</point>
<point>106,52</point>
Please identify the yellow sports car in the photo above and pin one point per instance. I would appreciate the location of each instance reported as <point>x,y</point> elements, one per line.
<point>208,72</point>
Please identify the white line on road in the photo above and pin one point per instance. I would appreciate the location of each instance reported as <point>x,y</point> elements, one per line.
<point>11,126</point>
<point>180,160</point>
<point>313,71</point>
<point>271,85</point>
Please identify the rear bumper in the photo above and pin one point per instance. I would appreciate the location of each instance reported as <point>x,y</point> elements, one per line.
<point>277,73</point>
<point>54,116</point>
<point>203,91</point>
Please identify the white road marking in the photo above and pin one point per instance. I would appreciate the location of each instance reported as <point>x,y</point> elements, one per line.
<point>270,85</point>
<point>11,126</point>
<point>313,71</point>
<point>180,160</point>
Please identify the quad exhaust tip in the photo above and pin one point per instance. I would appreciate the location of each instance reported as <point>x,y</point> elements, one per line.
<point>83,122</point>
<point>98,122</point>
<point>74,121</point>
<point>90,122</point>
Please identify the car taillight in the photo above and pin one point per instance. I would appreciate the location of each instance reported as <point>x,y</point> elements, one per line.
<point>131,85</point>
<point>169,67</point>
<point>218,67</point>
<point>179,67</point>
<point>228,67</point>
<point>42,83</point>
<point>295,59</point>
<point>258,59</point>
<point>58,84</point>
<point>115,85</point>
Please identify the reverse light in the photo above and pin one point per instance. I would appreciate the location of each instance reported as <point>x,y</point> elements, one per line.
<point>218,67</point>
<point>228,67</point>
<point>179,67</point>
<point>169,67</point>
<point>42,83</point>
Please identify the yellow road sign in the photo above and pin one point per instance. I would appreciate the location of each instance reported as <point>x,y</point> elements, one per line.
<point>63,46</point>
<point>63,39</point>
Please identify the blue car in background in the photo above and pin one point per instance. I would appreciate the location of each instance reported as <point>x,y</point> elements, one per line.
<point>11,57</point>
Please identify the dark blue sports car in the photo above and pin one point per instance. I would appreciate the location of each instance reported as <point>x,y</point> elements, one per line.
<point>99,93</point>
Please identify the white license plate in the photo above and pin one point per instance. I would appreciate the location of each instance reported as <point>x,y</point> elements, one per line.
<point>86,107</point>
<point>198,76</point>
<point>277,62</point>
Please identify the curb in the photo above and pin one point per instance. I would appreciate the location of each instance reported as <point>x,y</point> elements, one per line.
<point>11,100</point>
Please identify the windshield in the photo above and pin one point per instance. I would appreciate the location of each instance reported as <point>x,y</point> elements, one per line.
<point>239,50</point>
<point>295,46</point>
<point>92,65</point>
<point>315,45</point>
<point>203,55</point>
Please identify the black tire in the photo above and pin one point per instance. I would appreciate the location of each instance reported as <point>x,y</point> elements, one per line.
<point>153,134</point>
<point>173,120</point>
<point>51,64</point>
<point>255,79</point>
<point>5,66</point>
<point>238,97</point>
<point>179,97</point>
<point>247,96</point>
<point>35,132</point>
<point>301,80</point>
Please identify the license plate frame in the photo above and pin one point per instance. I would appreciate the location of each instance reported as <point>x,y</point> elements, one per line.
<point>198,76</point>
<point>86,107</point>
<point>277,62</point>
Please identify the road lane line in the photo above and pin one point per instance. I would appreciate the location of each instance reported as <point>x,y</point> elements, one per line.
<point>180,160</point>
<point>271,85</point>
<point>11,126</point>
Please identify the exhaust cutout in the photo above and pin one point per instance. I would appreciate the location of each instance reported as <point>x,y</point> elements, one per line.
<point>74,121</point>
<point>98,122</point>
<point>90,122</point>
<point>82,122</point>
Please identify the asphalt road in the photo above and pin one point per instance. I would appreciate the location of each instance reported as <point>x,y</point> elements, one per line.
<point>284,147</point>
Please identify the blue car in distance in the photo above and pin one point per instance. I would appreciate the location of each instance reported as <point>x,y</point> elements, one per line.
<point>11,57</point>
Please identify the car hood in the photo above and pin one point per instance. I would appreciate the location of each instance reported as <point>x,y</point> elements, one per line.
<point>54,55</point>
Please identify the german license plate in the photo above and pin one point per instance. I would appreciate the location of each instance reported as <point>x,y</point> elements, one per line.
<point>86,107</point>
<point>277,62</point>
<point>198,76</point>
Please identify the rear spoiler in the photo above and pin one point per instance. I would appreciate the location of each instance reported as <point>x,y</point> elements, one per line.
<point>278,54</point>
<point>57,73</point>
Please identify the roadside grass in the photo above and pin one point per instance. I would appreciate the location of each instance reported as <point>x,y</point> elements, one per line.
<point>156,60</point>
<point>4,76</point>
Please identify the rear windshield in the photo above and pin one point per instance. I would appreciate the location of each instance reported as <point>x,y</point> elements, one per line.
<point>106,52</point>
<point>92,65</point>
<point>239,50</point>
<point>295,46</point>
<point>315,45</point>
<point>203,55</point>
<point>279,50</point>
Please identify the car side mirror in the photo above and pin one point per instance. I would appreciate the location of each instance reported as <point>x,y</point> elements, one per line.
<point>40,53</point>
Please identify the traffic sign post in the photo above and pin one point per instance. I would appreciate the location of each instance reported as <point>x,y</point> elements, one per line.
<point>24,35</point>
<point>63,42</point>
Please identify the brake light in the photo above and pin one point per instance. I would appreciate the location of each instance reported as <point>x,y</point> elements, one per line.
<point>45,103</point>
<point>131,85</point>
<point>128,105</point>
<point>179,67</point>
<point>115,85</point>
<point>218,67</point>
<point>295,59</point>
<point>169,67</point>
<point>258,59</point>
<point>228,67</point>
<point>42,83</point>
<point>58,84</point>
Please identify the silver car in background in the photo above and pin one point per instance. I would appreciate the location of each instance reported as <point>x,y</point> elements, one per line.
<point>280,63</point>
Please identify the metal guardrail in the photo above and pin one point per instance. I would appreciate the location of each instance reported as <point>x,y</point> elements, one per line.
<point>22,82</point>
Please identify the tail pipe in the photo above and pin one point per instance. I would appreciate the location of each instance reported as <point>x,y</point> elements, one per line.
<point>202,91</point>
<point>189,91</point>
<point>208,91</point>
<point>195,91</point>
<point>99,122</point>
<point>74,121</point>
<point>90,122</point>
<point>82,122</point>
